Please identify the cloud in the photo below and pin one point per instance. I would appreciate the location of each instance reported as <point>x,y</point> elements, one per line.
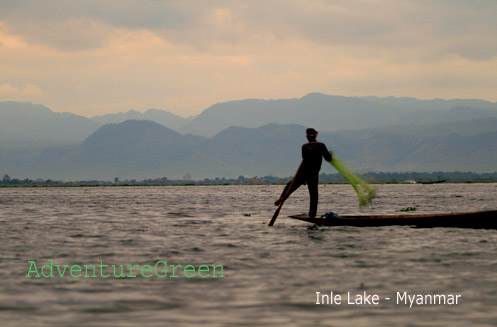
<point>93,57</point>
<point>76,25</point>
<point>465,28</point>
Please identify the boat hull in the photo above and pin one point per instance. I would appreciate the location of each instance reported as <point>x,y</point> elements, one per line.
<point>477,219</point>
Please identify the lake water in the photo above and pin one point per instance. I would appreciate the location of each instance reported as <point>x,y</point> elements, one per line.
<point>271,274</point>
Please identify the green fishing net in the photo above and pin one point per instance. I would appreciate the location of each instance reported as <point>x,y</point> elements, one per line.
<point>365,193</point>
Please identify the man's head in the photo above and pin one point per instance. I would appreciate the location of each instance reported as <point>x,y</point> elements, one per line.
<point>311,134</point>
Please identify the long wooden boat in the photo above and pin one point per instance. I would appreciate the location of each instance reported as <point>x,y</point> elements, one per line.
<point>476,219</point>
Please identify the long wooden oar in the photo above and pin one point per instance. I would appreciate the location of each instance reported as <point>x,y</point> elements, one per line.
<point>277,212</point>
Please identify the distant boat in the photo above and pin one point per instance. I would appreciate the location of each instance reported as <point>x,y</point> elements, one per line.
<point>431,181</point>
<point>476,219</point>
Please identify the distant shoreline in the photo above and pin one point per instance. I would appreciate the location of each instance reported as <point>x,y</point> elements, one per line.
<point>76,185</point>
<point>335,178</point>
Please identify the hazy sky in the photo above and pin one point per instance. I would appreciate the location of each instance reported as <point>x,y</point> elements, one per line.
<point>102,56</point>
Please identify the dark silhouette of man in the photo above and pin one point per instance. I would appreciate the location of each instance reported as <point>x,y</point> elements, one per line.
<point>312,157</point>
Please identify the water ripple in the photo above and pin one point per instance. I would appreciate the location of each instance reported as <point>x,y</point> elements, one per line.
<point>272,274</point>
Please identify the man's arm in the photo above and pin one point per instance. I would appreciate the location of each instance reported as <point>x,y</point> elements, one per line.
<point>326,153</point>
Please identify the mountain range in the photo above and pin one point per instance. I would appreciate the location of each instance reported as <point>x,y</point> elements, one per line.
<point>144,149</point>
<point>332,113</point>
<point>162,117</point>
<point>250,138</point>
<point>25,121</point>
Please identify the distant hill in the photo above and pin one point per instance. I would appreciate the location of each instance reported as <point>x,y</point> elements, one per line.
<point>144,149</point>
<point>459,146</point>
<point>332,113</point>
<point>238,150</point>
<point>27,121</point>
<point>162,117</point>
<point>131,148</point>
<point>413,104</point>
<point>320,111</point>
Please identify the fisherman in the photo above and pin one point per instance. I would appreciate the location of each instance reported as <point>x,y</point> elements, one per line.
<point>308,172</point>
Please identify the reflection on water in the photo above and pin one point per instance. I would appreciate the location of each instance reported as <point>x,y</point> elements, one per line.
<point>272,274</point>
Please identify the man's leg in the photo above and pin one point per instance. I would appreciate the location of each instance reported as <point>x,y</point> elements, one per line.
<point>314,196</point>
<point>284,195</point>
